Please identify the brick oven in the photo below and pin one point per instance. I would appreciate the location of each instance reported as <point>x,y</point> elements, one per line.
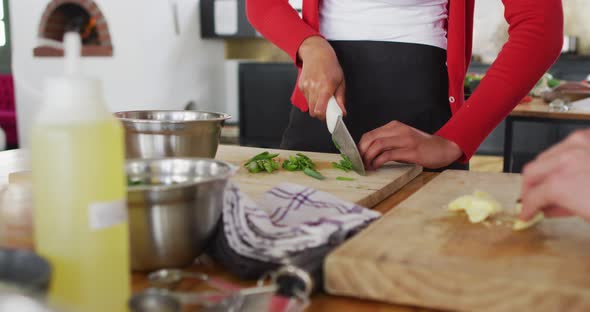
<point>83,16</point>
<point>148,53</point>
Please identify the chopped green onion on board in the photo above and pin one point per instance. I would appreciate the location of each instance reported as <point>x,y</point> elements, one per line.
<point>262,162</point>
<point>313,173</point>
<point>345,164</point>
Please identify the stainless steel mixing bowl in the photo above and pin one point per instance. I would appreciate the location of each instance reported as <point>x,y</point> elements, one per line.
<point>157,134</point>
<point>174,206</point>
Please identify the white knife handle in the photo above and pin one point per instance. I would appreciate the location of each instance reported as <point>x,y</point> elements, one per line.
<point>332,113</point>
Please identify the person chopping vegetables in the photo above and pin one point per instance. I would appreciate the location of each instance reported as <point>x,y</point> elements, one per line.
<point>397,68</point>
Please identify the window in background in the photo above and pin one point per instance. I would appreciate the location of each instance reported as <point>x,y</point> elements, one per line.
<point>2,28</point>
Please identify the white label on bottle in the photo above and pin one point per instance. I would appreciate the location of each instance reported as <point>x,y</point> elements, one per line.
<point>107,214</point>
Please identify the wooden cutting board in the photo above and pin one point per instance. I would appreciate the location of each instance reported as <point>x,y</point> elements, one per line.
<point>420,254</point>
<point>366,190</point>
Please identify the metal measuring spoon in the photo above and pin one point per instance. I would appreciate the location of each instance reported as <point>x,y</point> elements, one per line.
<point>171,278</point>
<point>161,300</point>
<point>154,300</point>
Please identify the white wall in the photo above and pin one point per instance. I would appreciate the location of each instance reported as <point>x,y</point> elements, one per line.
<point>152,67</point>
<point>490,29</point>
<point>577,22</point>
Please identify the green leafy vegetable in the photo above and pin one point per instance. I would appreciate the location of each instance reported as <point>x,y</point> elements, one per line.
<point>552,83</point>
<point>313,173</point>
<point>301,162</point>
<point>262,162</point>
<point>298,163</point>
<point>291,164</point>
<point>345,164</point>
<point>134,182</point>
<point>265,162</point>
<point>335,144</point>
<point>253,167</point>
<point>262,156</point>
<point>344,179</point>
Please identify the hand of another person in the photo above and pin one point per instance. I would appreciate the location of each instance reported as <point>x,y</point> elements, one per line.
<point>556,182</point>
<point>399,142</point>
<point>321,76</point>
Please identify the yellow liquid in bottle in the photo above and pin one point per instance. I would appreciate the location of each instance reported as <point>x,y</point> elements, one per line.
<point>76,166</point>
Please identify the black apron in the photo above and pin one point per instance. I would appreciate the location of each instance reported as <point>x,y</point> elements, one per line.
<point>385,81</point>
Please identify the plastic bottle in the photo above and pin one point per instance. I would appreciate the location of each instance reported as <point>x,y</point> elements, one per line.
<point>80,214</point>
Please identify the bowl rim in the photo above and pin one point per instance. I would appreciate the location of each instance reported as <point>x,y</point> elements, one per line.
<point>222,116</point>
<point>232,169</point>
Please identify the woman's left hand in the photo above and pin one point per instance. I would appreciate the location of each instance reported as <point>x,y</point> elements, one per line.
<point>399,142</point>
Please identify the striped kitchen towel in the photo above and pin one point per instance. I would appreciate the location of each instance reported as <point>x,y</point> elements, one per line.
<point>287,220</point>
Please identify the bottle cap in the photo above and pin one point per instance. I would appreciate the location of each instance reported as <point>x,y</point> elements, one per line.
<point>72,96</point>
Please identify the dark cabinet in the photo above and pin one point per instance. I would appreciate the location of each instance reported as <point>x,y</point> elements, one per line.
<point>264,102</point>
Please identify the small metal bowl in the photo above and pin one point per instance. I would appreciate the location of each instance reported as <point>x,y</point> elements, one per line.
<point>174,209</point>
<point>157,134</point>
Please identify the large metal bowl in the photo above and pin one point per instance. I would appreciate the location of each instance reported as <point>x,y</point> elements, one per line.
<point>173,209</point>
<point>158,134</point>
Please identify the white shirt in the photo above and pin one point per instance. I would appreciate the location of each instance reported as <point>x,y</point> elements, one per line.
<point>411,21</point>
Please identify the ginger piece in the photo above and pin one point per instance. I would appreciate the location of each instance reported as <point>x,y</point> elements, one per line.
<point>478,206</point>
<point>520,225</point>
<point>460,203</point>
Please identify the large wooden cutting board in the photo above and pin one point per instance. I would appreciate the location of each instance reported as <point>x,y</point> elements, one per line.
<point>420,254</point>
<point>366,190</point>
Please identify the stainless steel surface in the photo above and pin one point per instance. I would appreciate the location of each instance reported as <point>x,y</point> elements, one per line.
<point>154,300</point>
<point>170,278</point>
<point>174,212</point>
<point>157,134</point>
<point>162,300</point>
<point>347,146</point>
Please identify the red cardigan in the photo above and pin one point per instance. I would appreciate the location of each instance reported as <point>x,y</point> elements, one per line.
<point>535,40</point>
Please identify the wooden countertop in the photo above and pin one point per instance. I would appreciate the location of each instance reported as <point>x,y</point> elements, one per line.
<point>16,160</point>
<point>537,108</point>
<point>319,302</point>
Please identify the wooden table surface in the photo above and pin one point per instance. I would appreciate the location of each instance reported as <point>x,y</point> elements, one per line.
<point>537,108</point>
<point>17,160</point>
<point>319,302</point>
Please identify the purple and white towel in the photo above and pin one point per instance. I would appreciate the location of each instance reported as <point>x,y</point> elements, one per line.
<point>287,219</point>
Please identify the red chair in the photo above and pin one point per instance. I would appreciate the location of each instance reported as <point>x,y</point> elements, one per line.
<point>8,110</point>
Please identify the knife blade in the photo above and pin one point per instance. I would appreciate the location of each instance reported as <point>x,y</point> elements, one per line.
<point>341,136</point>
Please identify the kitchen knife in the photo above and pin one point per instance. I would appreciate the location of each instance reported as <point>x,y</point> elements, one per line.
<point>341,136</point>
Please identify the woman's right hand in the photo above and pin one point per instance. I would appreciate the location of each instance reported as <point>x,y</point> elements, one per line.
<point>556,182</point>
<point>321,76</point>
